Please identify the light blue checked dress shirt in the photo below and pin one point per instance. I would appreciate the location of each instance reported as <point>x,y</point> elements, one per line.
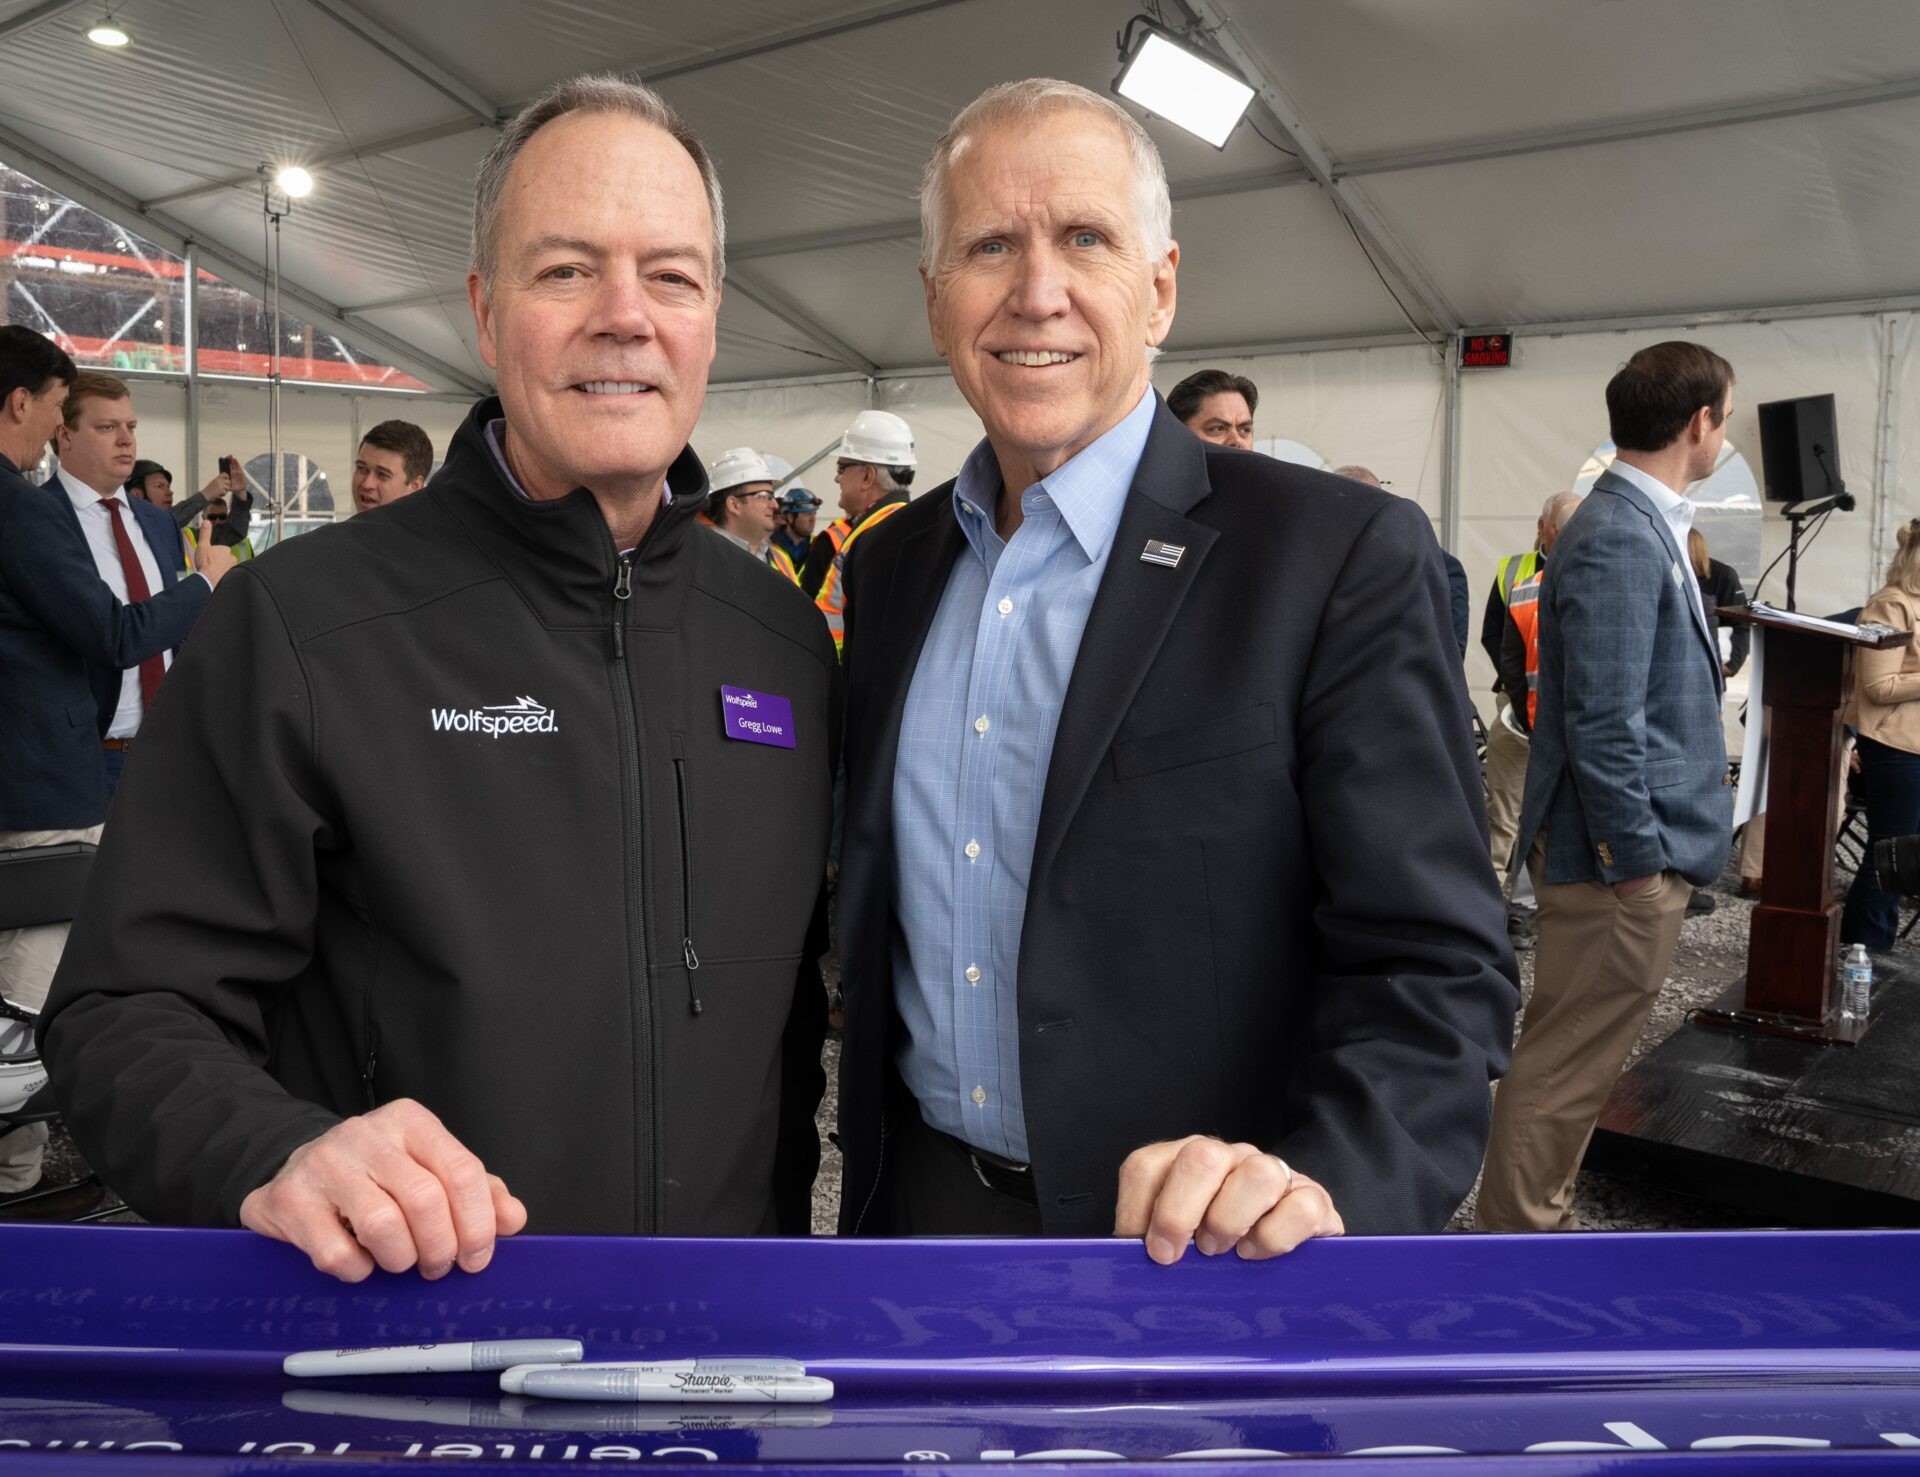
<point>975,744</point>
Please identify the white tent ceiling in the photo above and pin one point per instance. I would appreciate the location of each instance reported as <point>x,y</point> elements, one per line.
<point>1510,162</point>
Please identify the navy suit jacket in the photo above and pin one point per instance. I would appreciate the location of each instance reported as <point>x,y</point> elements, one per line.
<point>1260,905</point>
<point>58,623</point>
<point>163,537</point>
<point>1628,769</point>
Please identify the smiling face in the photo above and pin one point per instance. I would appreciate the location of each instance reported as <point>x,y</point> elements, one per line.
<point>99,447</point>
<point>1042,299</point>
<point>601,322</point>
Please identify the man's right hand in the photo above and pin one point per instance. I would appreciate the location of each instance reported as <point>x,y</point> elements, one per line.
<point>390,1188</point>
<point>211,559</point>
<point>1634,886</point>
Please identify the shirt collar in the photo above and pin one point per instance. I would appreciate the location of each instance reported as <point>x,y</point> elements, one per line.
<point>759,551</point>
<point>496,443</point>
<point>79,494</point>
<point>1666,502</point>
<point>1090,490</point>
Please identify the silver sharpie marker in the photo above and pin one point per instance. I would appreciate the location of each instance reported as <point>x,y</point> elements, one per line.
<point>514,1381</point>
<point>432,1358</point>
<point>691,1386</point>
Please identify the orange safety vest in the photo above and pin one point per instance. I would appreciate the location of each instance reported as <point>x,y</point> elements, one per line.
<point>1524,607</point>
<point>782,562</point>
<point>833,595</point>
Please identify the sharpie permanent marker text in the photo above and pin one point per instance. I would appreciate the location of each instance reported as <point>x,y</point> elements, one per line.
<point>514,1381</point>
<point>679,1385</point>
<point>432,1358</point>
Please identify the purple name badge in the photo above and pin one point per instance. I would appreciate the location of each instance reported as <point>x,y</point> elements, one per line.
<point>756,717</point>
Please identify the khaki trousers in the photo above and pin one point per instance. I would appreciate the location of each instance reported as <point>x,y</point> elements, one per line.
<point>1598,966</point>
<point>1506,788</point>
<point>28,958</point>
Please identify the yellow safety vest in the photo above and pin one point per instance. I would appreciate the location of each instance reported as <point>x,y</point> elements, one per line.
<point>1513,570</point>
<point>833,595</point>
<point>782,562</point>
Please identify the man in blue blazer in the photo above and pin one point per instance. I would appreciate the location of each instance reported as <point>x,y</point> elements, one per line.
<point>57,621</point>
<point>1627,803</point>
<point>135,546</point>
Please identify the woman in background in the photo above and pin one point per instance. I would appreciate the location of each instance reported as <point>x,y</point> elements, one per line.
<point>1719,585</point>
<point>1885,714</point>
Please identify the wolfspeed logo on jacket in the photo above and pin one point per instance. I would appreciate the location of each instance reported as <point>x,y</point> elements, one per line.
<point>523,715</point>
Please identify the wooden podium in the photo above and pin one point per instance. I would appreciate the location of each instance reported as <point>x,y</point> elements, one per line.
<point>1793,950</point>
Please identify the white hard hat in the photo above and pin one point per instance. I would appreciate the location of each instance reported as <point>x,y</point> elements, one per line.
<point>737,467</point>
<point>879,437</point>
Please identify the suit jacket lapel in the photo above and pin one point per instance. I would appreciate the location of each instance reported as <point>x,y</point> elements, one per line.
<point>1132,613</point>
<point>917,580</point>
<point>1625,489</point>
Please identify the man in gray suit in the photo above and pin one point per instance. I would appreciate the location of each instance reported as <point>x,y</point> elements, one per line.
<point>1627,804</point>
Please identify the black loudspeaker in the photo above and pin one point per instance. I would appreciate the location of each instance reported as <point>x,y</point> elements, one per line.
<point>1799,448</point>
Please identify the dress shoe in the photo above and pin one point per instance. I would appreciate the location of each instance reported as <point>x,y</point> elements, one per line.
<point>1701,902</point>
<point>39,1203</point>
<point>1750,887</point>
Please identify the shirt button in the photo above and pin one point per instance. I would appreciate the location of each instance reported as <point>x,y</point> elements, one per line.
<point>973,974</point>
<point>1005,607</point>
<point>979,1095</point>
<point>980,724</point>
<point>973,851</point>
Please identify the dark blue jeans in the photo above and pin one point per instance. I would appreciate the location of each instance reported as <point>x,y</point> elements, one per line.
<point>1889,785</point>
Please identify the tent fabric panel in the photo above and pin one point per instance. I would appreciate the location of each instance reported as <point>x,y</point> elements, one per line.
<point>1381,76</point>
<point>1775,213</point>
<point>525,46</point>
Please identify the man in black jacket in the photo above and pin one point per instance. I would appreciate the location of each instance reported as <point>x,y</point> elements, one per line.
<point>436,953</point>
<point>1165,909</point>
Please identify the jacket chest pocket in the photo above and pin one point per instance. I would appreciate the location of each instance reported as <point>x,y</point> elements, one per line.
<point>1220,738</point>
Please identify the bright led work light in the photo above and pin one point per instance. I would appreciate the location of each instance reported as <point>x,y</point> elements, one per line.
<point>1172,80</point>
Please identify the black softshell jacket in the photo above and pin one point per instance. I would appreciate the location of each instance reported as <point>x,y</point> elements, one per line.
<point>437,804</point>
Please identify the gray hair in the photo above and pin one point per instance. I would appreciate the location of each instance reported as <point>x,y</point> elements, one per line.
<point>1560,509</point>
<point>1022,102</point>
<point>588,93</point>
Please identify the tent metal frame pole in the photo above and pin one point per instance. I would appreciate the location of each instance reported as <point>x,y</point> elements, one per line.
<point>1285,114</point>
<point>37,15</point>
<point>192,310</point>
<point>1885,438</point>
<point>1663,125</point>
<point>1450,429</point>
<point>413,58</point>
<point>798,318</point>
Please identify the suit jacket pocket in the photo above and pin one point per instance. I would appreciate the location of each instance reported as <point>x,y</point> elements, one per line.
<point>83,715</point>
<point>1662,773</point>
<point>1218,739</point>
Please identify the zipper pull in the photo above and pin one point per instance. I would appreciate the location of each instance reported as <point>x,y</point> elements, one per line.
<point>622,592</point>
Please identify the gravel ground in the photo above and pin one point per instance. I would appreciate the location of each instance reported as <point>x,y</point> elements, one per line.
<point>1711,954</point>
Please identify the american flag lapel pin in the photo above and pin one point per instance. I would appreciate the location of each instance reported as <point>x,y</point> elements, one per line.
<point>1168,555</point>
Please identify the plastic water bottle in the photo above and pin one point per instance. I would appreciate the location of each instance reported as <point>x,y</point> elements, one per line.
<point>1856,984</point>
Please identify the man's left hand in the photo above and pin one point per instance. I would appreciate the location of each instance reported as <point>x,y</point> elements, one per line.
<point>1219,1196</point>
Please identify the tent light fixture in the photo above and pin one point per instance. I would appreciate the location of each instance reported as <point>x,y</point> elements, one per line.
<point>295,182</point>
<point>108,32</point>
<point>1171,78</point>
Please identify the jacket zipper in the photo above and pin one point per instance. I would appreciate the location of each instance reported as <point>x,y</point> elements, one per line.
<point>646,1085</point>
<point>686,872</point>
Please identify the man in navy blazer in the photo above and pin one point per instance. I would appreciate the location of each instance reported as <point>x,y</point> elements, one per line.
<point>1628,806</point>
<point>58,621</point>
<point>97,449</point>
<point>1164,903</point>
